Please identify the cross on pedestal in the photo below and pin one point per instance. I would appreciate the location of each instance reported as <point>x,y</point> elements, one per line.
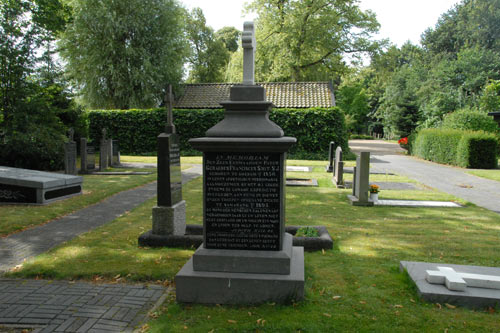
<point>248,42</point>
<point>457,281</point>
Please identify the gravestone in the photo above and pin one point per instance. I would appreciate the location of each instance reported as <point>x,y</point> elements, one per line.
<point>469,286</point>
<point>70,155</point>
<point>116,153</point>
<point>246,256</point>
<point>338,174</point>
<point>87,157</point>
<point>36,187</point>
<point>169,215</point>
<point>331,154</point>
<point>103,152</point>
<point>109,150</point>
<point>361,181</point>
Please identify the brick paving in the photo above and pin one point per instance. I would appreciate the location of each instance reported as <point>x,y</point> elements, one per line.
<point>64,306</point>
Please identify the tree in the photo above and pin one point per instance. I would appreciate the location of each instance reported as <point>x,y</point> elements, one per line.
<point>123,54</point>
<point>307,40</point>
<point>353,100</point>
<point>209,55</point>
<point>230,37</point>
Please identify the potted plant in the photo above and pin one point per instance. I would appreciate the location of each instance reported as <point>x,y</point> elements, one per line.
<point>374,189</point>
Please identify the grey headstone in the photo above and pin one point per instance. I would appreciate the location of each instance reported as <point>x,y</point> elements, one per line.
<point>361,182</point>
<point>109,150</point>
<point>90,158</point>
<point>338,174</point>
<point>70,158</point>
<point>116,153</point>
<point>103,155</point>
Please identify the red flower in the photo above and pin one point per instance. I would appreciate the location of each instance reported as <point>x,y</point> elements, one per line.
<point>403,141</point>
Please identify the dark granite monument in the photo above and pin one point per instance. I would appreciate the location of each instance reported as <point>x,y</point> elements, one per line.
<point>246,256</point>
<point>36,187</point>
<point>331,154</point>
<point>169,216</point>
<point>70,155</point>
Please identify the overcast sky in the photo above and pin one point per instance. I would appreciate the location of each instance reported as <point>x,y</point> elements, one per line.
<point>400,20</point>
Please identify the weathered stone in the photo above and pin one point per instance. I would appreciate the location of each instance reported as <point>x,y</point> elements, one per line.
<point>170,220</point>
<point>361,181</point>
<point>331,157</point>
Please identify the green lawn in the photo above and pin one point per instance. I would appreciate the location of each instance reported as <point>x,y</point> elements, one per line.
<point>355,287</point>
<point>489,174</point>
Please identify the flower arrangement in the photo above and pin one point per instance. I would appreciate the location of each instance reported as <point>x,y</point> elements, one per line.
<point>374,188</point>
<point>403,142</point>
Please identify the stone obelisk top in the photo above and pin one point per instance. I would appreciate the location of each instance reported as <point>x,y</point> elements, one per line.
<point>249,44</point>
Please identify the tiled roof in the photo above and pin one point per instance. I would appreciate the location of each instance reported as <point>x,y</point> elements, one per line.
<point>281,94</point>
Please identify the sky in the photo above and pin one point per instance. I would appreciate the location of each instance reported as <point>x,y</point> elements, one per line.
<point>400,20</point>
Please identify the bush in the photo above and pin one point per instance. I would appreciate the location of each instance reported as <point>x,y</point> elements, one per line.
<point>40,149</point>
<point>136,130</point>
<point>467,149</point>
<point>472,120</point>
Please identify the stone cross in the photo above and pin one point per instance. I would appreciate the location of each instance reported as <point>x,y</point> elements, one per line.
<point>457,281</point>
<point>248,42</point>
<point>169,99</point>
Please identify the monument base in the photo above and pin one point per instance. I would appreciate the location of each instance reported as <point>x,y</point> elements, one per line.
<point>241,288</point>
<point>356,202</point>
<point>170,220</point>
<point>329,168</point>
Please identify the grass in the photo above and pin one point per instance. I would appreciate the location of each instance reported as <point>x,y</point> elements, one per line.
<point>493,174</point>
<point>14,218</point>
<point>357,286</point>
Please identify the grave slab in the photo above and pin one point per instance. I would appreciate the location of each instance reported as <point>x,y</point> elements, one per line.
<point>298,169</point>
<point>417,203</point>
<point>36,187</point>
<point>471,297</point>
<point>301,182</point>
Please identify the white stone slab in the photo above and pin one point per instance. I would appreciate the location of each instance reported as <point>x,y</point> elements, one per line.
<point>417,203</point>
<point>298,169</point>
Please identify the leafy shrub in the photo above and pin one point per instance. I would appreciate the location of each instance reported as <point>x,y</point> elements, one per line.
<point>361,137</point>
<point>467,149</point>
<point>136,130</point>
<point>472,120</point>
<point>40,149</point>
<point>307,232</point>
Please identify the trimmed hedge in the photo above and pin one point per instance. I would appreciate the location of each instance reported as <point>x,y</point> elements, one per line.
<point>466,149</point>
<point>137,130</point>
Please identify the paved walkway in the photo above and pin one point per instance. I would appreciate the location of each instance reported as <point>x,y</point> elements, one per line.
<point>75,307</point>
<point>386,157</point>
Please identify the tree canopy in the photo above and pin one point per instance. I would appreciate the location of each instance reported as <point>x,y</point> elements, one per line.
<point>300,40</point>
<point>123,54</point>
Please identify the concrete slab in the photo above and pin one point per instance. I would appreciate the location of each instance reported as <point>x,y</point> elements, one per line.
<point>292,168</point>
<point>356,202</point>
<point>471,297</point>
<point>301,182</point>
<point>232,288</point>
<point>417,203</point>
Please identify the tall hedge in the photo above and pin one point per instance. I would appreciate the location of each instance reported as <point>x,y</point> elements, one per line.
<point>137,130</point>
<point>467,149</point>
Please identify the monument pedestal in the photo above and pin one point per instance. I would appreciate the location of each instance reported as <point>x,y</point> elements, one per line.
<point>170,220</point>
<point>241,288</point>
